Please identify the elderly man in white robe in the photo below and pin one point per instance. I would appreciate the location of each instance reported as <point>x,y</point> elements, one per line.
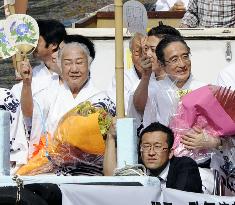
<point>64,93</point>
<point>132,75</point>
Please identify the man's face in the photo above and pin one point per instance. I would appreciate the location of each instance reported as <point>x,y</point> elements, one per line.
<point>154,150</point>
<point>136,52</point>
<point>177,62</point>
<point>150,51</point>
<point>42,52</point>
<point>74,65</point>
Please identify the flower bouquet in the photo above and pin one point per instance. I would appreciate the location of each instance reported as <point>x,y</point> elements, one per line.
<point>78,141</point>
<point>210,108</point>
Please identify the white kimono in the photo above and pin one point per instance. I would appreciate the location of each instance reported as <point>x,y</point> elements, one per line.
<point>38,85</point>
<point>18,142</point>
<point>41,70</point>
<point>226,77</point>
<point>130,80</point>
<point>162,101</point>
<point>131,111</point>
<point>42,78</point>
<point>51,104</point>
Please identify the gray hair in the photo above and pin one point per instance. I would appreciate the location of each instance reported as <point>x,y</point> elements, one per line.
<point>80,45</point>
<point>136,36</point>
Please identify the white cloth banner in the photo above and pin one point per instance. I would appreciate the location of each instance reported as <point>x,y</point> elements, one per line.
<point>135,195</point>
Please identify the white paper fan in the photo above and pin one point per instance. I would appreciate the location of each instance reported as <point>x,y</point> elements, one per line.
<point>135,17</point>
<point>6,48</point>
<point>23,32</point>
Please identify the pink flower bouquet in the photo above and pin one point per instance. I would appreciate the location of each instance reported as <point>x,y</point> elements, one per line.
<point>211,108</point>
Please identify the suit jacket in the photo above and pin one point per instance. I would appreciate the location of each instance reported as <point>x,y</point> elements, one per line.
<point>184,175</point>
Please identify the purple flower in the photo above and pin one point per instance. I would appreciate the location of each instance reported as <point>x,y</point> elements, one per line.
<point>3,39</point>
<point>12,26</point>
<point>22,29</point>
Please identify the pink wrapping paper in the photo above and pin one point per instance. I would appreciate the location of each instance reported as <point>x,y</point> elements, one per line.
<point>200,108</point>
<point>202,102</point>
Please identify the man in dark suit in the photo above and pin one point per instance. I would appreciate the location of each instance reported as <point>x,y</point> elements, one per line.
<point>156,154</point>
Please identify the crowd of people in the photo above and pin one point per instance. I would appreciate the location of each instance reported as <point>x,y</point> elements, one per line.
<point>161,75</point>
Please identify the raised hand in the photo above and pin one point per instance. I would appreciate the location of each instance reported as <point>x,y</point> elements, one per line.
<point>25,71</point>
<point>146,66</point>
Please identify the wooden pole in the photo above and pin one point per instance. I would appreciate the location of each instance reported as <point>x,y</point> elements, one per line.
<point>119,67</point>
<point>21,6</point>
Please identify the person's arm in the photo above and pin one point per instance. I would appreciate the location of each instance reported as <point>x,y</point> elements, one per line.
<point>26,93</point>
<point>191,18</point>
<point>141,93</point>
<point>110,154</point>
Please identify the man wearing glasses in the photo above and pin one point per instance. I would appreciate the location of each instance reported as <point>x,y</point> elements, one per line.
<point>162,98</point>
<point>156,154</point>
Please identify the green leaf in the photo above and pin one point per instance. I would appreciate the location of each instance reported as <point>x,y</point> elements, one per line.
<point>14,33</point>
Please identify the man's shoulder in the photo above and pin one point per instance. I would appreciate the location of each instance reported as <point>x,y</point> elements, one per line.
<point>226,77</point>
<point>194,83</point>
<point>228,70</point>
<point>130,75</point>
<point>178,161</point>
<point>40,70</point>
<point>38,67</point>
<point>16,89</point>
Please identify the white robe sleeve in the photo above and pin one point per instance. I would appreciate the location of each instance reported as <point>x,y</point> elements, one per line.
<point>132,112</point>
<point>150,111</point>
<point>41,106</point>
<point>224,79</point>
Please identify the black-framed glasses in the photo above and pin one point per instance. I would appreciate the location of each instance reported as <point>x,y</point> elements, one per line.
<point>156,148</point>
<point>185,58</point>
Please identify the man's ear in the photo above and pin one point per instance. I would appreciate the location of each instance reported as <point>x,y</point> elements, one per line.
<point>53,47</point>
<point>171,153</point>
<point>161,64</point>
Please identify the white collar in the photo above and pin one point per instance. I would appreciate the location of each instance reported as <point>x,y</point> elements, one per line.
<point>168,80</point>
<point>164,173</point>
